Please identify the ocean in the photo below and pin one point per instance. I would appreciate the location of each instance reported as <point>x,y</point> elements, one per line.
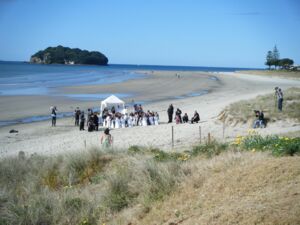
<point>21,78</point>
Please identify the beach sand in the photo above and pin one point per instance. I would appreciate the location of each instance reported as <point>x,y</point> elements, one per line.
<point>158,90</point>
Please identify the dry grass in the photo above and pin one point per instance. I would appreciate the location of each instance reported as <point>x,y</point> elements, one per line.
<point>234,188</point>
<point>276,73</point>
<point>145,186</point>
<point>243,111</point>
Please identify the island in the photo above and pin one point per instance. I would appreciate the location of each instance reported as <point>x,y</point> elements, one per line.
<point>68,56</point>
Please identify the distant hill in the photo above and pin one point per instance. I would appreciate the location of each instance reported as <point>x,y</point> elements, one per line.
<point>70,56</point>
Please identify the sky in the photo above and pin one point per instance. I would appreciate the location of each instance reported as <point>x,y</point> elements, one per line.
<point>228,33</point>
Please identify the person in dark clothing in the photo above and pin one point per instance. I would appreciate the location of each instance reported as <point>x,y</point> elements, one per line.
<point>96,121</point>
<point>91,125</point>
<point>195,118</point>
<point>90,113</point>
<point>279,99</point>
<point>82,120</point>
<point>260,119</point>
<point>53,115</point>
<point>185,118</point>
<point>170,113</point>
<point>77,115</point>
<point>113,110</point>
<point>178,116</point>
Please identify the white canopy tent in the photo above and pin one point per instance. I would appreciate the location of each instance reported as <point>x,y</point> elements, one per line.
<point>113,101</point>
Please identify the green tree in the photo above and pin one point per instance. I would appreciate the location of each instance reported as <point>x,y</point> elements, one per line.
<point>269,59</point>
<point>276,57</point>
<point>285,63</point>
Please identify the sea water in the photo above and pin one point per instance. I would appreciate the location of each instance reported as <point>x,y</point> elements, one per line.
<point>21,78</point>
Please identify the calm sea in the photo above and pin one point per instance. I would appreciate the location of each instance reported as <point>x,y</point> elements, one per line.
<point>20,78</point>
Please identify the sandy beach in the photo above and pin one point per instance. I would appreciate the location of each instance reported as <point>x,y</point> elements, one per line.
<point>157,91</point>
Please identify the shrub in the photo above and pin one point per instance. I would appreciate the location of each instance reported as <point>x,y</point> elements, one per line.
<point>209,149</point>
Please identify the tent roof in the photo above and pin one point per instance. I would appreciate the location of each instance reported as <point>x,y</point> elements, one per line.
<point>113,99</point>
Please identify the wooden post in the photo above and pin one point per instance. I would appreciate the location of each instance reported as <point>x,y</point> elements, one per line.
<point>84,143</point>
<point>208,138</point>
<point>200,134</point>
<point>172,137</point>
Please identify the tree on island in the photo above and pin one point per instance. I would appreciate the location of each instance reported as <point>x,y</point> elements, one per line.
<point>65,55</point>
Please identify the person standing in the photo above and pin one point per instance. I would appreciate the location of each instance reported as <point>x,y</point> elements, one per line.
<point>77,115</point>
<point>279,99</point>
<point>170,113</point>
<point>82,120</point>
<point>53,115</point>
<point>178,116</point>
<point>106,139</point>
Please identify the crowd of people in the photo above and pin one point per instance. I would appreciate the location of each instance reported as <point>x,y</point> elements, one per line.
<point>113,119</point>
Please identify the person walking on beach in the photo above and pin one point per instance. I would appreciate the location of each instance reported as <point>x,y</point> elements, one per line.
<point>170,113</point>
<point>106,139</point>
<point>53,115</point>
<point>82,120</point>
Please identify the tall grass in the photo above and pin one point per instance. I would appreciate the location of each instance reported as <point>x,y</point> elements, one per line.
<point>91,187</point>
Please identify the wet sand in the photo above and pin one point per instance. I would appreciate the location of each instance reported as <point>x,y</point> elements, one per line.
<point>157,86</point>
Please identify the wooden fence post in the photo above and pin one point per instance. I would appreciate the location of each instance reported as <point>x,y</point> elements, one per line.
<point>200,135</point>
<point>208,138</point>
<point>172,137</point>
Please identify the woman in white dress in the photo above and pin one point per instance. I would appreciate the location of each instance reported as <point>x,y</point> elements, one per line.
<point>156,118</point>
<point>151,119</point>
<point>117,123</point>
<point>122,122</point>
<point>130,121</point>
<point>108,121</point>
<point>144,121</point>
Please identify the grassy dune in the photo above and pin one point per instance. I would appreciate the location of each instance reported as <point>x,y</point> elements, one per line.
<point>276,73</point>
<point>213,183</point>
<point>243,111</point>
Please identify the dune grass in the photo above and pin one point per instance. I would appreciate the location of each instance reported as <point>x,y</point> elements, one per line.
<point>277,73</point>
<point>96,186</point>
<point>243,111</point>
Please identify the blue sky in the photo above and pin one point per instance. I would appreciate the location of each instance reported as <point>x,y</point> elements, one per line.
<point>229,33</point>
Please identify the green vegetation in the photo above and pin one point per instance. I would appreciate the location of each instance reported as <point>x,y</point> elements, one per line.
<point>279,146</point>
<point>273,59</point>
<point>91,187</point>
<point>65,55</point>
<point>242,111</point>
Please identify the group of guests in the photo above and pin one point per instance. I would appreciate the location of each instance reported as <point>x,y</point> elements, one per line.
<point>181,119</point>
<point>92,119</point>
<point>260,120</point>
<point>112,119</point>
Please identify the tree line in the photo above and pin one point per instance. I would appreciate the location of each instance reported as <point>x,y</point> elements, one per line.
<point>65,55</point>
<point>273,59</point>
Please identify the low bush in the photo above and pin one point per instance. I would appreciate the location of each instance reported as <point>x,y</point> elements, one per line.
<point>279,146</point>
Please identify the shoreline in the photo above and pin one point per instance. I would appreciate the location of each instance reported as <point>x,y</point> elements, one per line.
<point>142,91</point>
<point>41,138</point>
